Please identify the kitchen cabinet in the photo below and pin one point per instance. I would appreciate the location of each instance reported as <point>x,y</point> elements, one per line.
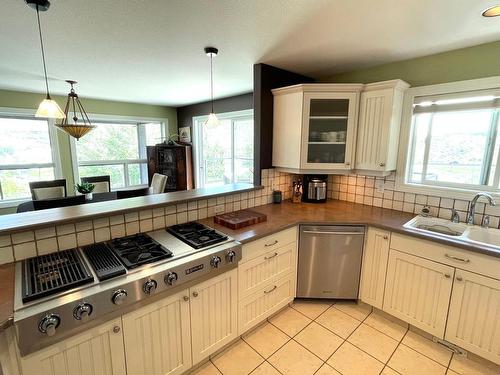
<point>157,337</point>
<point>418,291</point>
<point>374,267</point>
<point>314,127</point>
<point>99,350</point>
<point>214,315</point>
<point>378,126</point>
<point>474,316</point>
<point>8,353</point>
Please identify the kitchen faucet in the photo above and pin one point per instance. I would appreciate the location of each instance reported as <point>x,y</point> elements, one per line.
<point>472,206</point>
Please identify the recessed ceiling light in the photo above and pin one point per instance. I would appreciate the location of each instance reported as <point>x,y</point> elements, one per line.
<point>492,11</point>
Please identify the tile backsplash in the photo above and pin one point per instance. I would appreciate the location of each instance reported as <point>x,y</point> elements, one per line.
<point>21,245</point>
<point>381,192</point>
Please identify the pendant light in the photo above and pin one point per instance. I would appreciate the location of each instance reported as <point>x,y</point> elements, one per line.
<point>212,118</point>
<point>81,124</point>
<point>48,108</point>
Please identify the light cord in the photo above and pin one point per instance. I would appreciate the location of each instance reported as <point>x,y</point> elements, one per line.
<point>43,52</point>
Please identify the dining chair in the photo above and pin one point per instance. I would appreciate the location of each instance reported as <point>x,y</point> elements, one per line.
<point>43,204</point>
<point>48,189</point>
<point>102,183</point>
<point>120,194</point>
<point>158,183</point>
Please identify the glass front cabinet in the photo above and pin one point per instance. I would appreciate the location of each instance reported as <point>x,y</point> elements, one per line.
<point>315,126</point>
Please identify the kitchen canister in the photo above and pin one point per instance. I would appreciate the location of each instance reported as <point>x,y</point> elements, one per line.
<point>277,196</point>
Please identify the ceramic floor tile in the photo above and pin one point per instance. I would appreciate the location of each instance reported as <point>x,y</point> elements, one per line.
<point>206,369</point>
<point>357,310</point>
<point>349,360</point>
<point>238,359</point>
<point>266,339</point>
<point>388,371</point>
<point>311,308</point>
<point>407,361</point>
<point>384,325</point>
<point>265,369</point>
<point>451,372</point>
<point>428,348</point>
<point>327,370</point>
<point>465,366</point>
<point>373,342</point>
<point>319,340</point>
<point>293,359</point>
<point>338,322</point>
<point>290,321</point>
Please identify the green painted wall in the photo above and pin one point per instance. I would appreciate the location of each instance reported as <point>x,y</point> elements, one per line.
<point>457,65</point>
<point>16,99</point>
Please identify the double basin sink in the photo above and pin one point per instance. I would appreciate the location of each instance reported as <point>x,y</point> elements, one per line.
<point>473,234</point>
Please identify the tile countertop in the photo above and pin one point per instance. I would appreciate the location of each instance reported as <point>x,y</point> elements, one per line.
<point>279,217</point>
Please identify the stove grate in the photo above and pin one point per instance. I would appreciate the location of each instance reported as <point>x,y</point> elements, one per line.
<point>104,262</point>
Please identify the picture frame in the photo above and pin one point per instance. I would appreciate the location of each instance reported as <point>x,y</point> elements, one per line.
<point>185,134</point>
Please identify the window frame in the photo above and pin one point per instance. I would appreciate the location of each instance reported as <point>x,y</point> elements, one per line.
<point>141,139</point>
<point>451,190</point>
<point>198,141</point>
<point>29,114</point>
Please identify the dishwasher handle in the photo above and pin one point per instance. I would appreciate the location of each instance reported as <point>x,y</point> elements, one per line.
<point>334,233</point>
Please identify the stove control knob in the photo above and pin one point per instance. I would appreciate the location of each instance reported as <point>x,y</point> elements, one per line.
<point>230,256</point>
<point>49,324</point>
<point>119,296</point>
<point>171,278</point>
<point>83,311</point>
<point>149,286</point>
<point>215,262</point>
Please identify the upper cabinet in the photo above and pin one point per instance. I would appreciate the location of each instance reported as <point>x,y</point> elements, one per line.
<point>378,126</point>
<point>315,126</point>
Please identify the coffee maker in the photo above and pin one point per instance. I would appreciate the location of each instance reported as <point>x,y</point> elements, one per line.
<point>315,188</point>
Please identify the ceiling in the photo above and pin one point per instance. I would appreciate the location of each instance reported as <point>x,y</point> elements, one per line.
<point>151,51</point>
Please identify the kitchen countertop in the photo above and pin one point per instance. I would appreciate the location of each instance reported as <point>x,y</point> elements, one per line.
<point>279,217</point>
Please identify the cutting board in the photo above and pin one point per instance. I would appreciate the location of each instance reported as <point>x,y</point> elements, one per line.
<point>240,219</point>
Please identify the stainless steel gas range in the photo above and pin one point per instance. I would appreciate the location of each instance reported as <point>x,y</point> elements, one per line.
<point>61,294</point>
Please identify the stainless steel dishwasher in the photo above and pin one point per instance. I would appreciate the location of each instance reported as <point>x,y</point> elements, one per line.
<point>330,261</point>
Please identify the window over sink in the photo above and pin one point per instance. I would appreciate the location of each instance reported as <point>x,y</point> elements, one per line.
<point>452,139</point>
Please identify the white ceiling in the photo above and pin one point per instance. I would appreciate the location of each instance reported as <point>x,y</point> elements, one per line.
<point>151,51</point>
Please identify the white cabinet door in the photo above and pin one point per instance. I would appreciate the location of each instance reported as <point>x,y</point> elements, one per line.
<point>97,351</point>
<point>214,316</point>
<point>373,271</point>
<point>474,317</point>
<point>418,291</point>
<point>158,337</point>
<point>254,274</point>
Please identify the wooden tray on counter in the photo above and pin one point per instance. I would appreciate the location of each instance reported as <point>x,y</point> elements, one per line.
<point>240,219</point>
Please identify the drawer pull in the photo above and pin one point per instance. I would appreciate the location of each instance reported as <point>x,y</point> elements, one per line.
<point>385,237</point>
<point>271,244</point>
<point>459,278</point>
<point>447,275</point>
<point>270,290</point>
<point>452,257</point>
<point>271,257</point>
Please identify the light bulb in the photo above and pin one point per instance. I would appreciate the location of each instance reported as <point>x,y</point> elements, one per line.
<point>49,108</point>
<point>212,120</point>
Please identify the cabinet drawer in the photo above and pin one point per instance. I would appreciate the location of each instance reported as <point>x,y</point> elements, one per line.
<point>265,302</point>
<point>467,260</point>
<point>259,271</point>
<point>267,244</point>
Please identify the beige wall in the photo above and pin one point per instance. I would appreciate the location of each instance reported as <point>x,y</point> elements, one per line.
<point>16,99</point>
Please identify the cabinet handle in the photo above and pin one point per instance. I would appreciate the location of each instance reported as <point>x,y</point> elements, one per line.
<point>382,164</point>
<point>186,298</point>
<point>195,294</point>
<point>347,163</point>
<point>452,257</point>
<point>270,290</point>
<point>385,237</point>
<point>271,244</point>
<point>271,257</point>
<point>447,275</point>
<point>116,329</point>
<point>459,278</point>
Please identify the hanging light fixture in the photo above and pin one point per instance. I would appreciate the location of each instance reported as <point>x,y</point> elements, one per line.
<point>81,124</point>
<point>48,108</point>
<point>212,118</point>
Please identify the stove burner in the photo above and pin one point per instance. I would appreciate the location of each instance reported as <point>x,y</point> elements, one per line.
<point>197,235</point>
<point>138,249</point>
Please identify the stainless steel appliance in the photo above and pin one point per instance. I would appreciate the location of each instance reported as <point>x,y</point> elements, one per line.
<point>329,261</point>
<point>315,188</point>
<point>70,291</point>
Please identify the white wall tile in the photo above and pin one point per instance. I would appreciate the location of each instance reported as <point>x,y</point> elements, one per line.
<point>67,241</point>
<point>5,241</point>
<point>85,238</point>
<point>45,233</point>
<point>192,206</point>
<point>118,231</point>
<point>182,218</point>
<point>65,229</point>
<point>158,222</point>
<point>170,210</point>
<point>146,225</point>
<point>158,212</point>
<point>101,222</point>
<point>6,255</point>
<point>131,216</point>
<point>117,219</point>
<point>22,237</point>
<point>132,227</point>
<point>145,214</point>
<point>171,220</point>
<point>182,207</point>
<point>25,250</point>
<point>84,225</point>
<point>47,245</point>
<point>192,215</point>
<point>203,203</point>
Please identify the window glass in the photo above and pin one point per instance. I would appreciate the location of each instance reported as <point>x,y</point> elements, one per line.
<point>154,134</point>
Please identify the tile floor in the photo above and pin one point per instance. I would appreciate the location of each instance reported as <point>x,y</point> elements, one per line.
<point>323,338</point>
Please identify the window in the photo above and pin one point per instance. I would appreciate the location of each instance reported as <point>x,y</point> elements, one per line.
<point>28,152</point>
<point>454,141</point>
<point>224,152</point>
<point>117,149</point>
